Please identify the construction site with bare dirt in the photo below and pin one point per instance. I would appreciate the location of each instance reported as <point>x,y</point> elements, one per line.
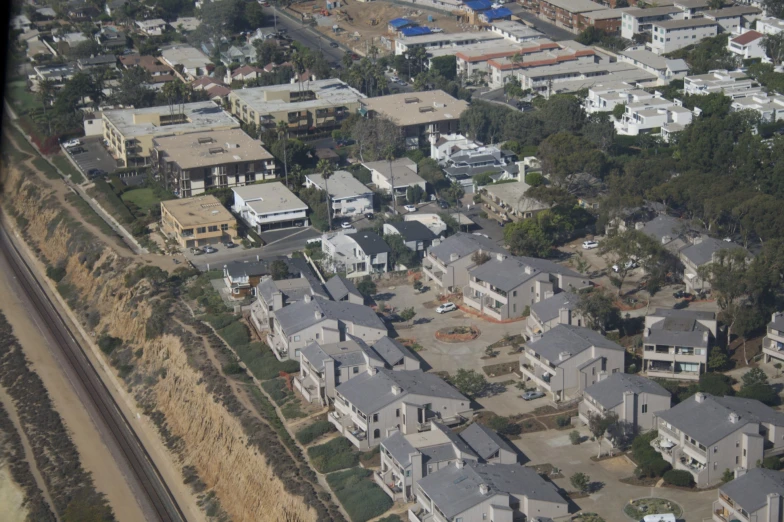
<point>360,25</point>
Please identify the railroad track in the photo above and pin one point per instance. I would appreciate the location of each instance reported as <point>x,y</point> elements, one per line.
<point>143,468</point>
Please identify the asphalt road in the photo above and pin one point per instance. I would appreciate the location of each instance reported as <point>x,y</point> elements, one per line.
<point>109,416</point>
<point>308,37</point>
<point>551,30</point>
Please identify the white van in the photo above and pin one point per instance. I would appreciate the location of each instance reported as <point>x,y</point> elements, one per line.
<point>662,517</point>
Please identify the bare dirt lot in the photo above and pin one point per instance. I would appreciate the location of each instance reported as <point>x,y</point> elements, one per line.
<point>357,29</point>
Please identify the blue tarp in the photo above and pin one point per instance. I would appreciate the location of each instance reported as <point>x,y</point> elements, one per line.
<point>397,23</point>
<point>495,14</point>
<point>415,31</point>
<point>479,5</point>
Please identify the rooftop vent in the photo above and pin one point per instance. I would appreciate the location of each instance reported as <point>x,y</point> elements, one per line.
<point>564,355</point>
<point>413,99</point>
<point>307,298</point>
<point>395,388</point>
<point>216,150</point>
<point>459,463</point>
<point>232,145</point>
<point>484,489</point>
<point>202,141</point>
<point>426,108</point>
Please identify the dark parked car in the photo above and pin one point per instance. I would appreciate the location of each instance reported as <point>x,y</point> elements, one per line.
<point>443,204</point>
<point>334,45</point>
<point>76,150</point>
<point>681,294</point>
<point>369,215</point>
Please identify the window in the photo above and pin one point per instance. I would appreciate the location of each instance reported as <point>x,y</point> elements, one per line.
<point>715,465</point>
<point>715,449</point>
<point>514,293</point>
<point>645,408</point>
<point>408,472</point>
<point>224,227</point>
<point>397,412</point>
<point>317,336</point>
<point>355,369</point>
<point>593,370</point>
<point>737,459</point>
<point>375,417</point>
<point>296,338</point>
<point>212,228</point>
<point>376,433</point>
<point>744,452</point>
<point>201,230</point>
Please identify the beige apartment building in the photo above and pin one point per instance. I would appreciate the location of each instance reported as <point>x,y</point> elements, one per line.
<point>773,342</point>
<point>197,221</point>
<point>306,107</point>
<point>128,133</point>
<point>191,164</point>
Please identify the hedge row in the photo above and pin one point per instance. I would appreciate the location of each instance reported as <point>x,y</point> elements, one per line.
<point>331,456</point>
<point>310,433</point>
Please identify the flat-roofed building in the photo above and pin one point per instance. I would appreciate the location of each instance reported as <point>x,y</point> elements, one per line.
<point>441,40</point>
<point>607,20</point>
<point>515,31</point>
<point>474,58</point>
<point>770,25</point>
<point>535,55</point>
<point>733,19</point>
<point>422,116</point>
<point>671,35</point>
<point>735,84</point>
<point>197,221</point>
<point>310,106</point>
<point>646,115</point>
<point>194,163</point>
<point>566,13</point>
<point>664,68</point>
<point>604,97</point>
<point>769,106</point>
<point>636,21</point>
<point>194,62</point>
<point>269,206</point>
<point>129,132</point>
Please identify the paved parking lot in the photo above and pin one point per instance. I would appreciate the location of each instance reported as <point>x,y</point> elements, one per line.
<point>95,157</point>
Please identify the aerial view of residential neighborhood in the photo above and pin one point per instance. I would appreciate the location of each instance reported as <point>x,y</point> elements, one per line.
<point>392,261</point>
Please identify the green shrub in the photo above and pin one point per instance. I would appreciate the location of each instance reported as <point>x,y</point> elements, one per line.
<point>276,388</point>
<point>649,462</point>
<point>262,363</point>
<point>235,334</point>
<point>361,498</point>
<point>574,437</point>
<point>310,433</point>
<point>563,421</point>
<point>331,456</point>
<point>55,273</point>
<point>772,462</point>
<point>220,321</point>
<point>232,368</point>
<point>679,477</point>
<point>108,344</point>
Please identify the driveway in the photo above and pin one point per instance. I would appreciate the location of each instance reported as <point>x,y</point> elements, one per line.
<point>554,447</point>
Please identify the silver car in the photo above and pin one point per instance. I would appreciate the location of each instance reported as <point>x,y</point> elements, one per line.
<point>532,394</point>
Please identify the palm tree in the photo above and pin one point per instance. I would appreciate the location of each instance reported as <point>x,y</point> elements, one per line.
<point>389,155</point>
<point>46,93</point>
<point>283,134</point>
<point>296,175</point>
<point>325,167</point>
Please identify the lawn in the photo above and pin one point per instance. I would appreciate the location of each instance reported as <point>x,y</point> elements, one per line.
<point>22,99</point>
<point>67,168</point>
<point>44,166</point>
<point>331,456</point>
<point>361,497</point>
<point>144,198</point>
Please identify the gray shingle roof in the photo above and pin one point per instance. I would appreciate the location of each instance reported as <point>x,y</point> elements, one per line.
<point>510,272</point>
<point>709,421</point>
<point>680,328</point>
<point>455,490</point>
<point>702,252</point>
<point>777,323</point>
<point>663,225</point>
<point>339,287</point>
<point>301,315</point>
<point>240,269</point>
<point>370,242</point>
<point>569,339</point>
<point>391,351</point>
<point>609,392</point>
<point>351,352</point>
<point>751,490</point>
<point>369,393</point>
<point>399,447</point>
<point>463,245</point>
<point>548,309</point>
<point>484,441</point>
<point>413,231</point>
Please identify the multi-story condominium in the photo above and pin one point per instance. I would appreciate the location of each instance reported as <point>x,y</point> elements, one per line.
<point>702,251</point>
<point>706,435</point>
<point>636,21</point>
<point>769,25</point>
<point>347,195</point>
<point>197,221</point>
<point>535,56</point>
<point>406,459</point>
<point>358,254</point>
<point>402,173</point>
<point>548,313</point>
<point>316,319</point>
<point>468,491</point>
<point>515,31</point>
<point>129,133</point>
<point>664,68</point>
<point>447,264</point>
<point>566,359</point>
<point>733,19</point>
<point>432,41</point>
<point>342,289</point>
<point>371,405</point>
<point>754,496</point>
<point>508,202</point>
<point>676,343</point>
<point>770,107</point>
<point>603,97</point>
<point>422,116</point>
<point>648,115</point>
<point>324,367</point>
<point>503,287</point>
<point>735,84</point>
<point>671,35</point>
<point>773,342</point>
<point>574,14</point>
<point>268,206</point>
<point>750,44</point>
<point>635,399</point>
<point>193,163</point>
<point>416,236</point>
<point>317,105</point>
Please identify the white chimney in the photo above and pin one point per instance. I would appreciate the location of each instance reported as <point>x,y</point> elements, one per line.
<point>484,489</point>
<point>372,370</point>
<point>499,256</point>
<point>734,417</point>
<point>564,316</point>
<point>699,397</point>
<point>697,240</point>
<point>459,463</point>
<point>307,298</point>
<point>739,472</point>
<point>318,314</point>
<point>395,388</point>
<point>666,239</point>
<point>564,355</point>
<point>453,256</point>
<point>647,332</point>
<point>705,336</point>
<point>528,270</point>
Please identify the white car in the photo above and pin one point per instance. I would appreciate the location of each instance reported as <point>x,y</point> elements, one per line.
<point>394,79</point>
<point>446,307</point>
<point>410,208</point>
<point>72,143</point>
<point>628,265</point>
<point>590,245</point>
<point>345,224</point>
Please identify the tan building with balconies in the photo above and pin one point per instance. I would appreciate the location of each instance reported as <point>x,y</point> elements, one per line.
<point>773,342</point>
<point>676,343</point>
<point>507,202</point>
<point>308,106</point>
<point>706,435</point>
<point>128,133</point>
<point>197,221</point>
<point>754,496</point>
<point>565,360</point>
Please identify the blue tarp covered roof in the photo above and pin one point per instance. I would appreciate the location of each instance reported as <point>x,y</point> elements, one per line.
<point>479,5</point>
<point>415,31</point>
<point>397,23</point>
<point>495,14</point>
